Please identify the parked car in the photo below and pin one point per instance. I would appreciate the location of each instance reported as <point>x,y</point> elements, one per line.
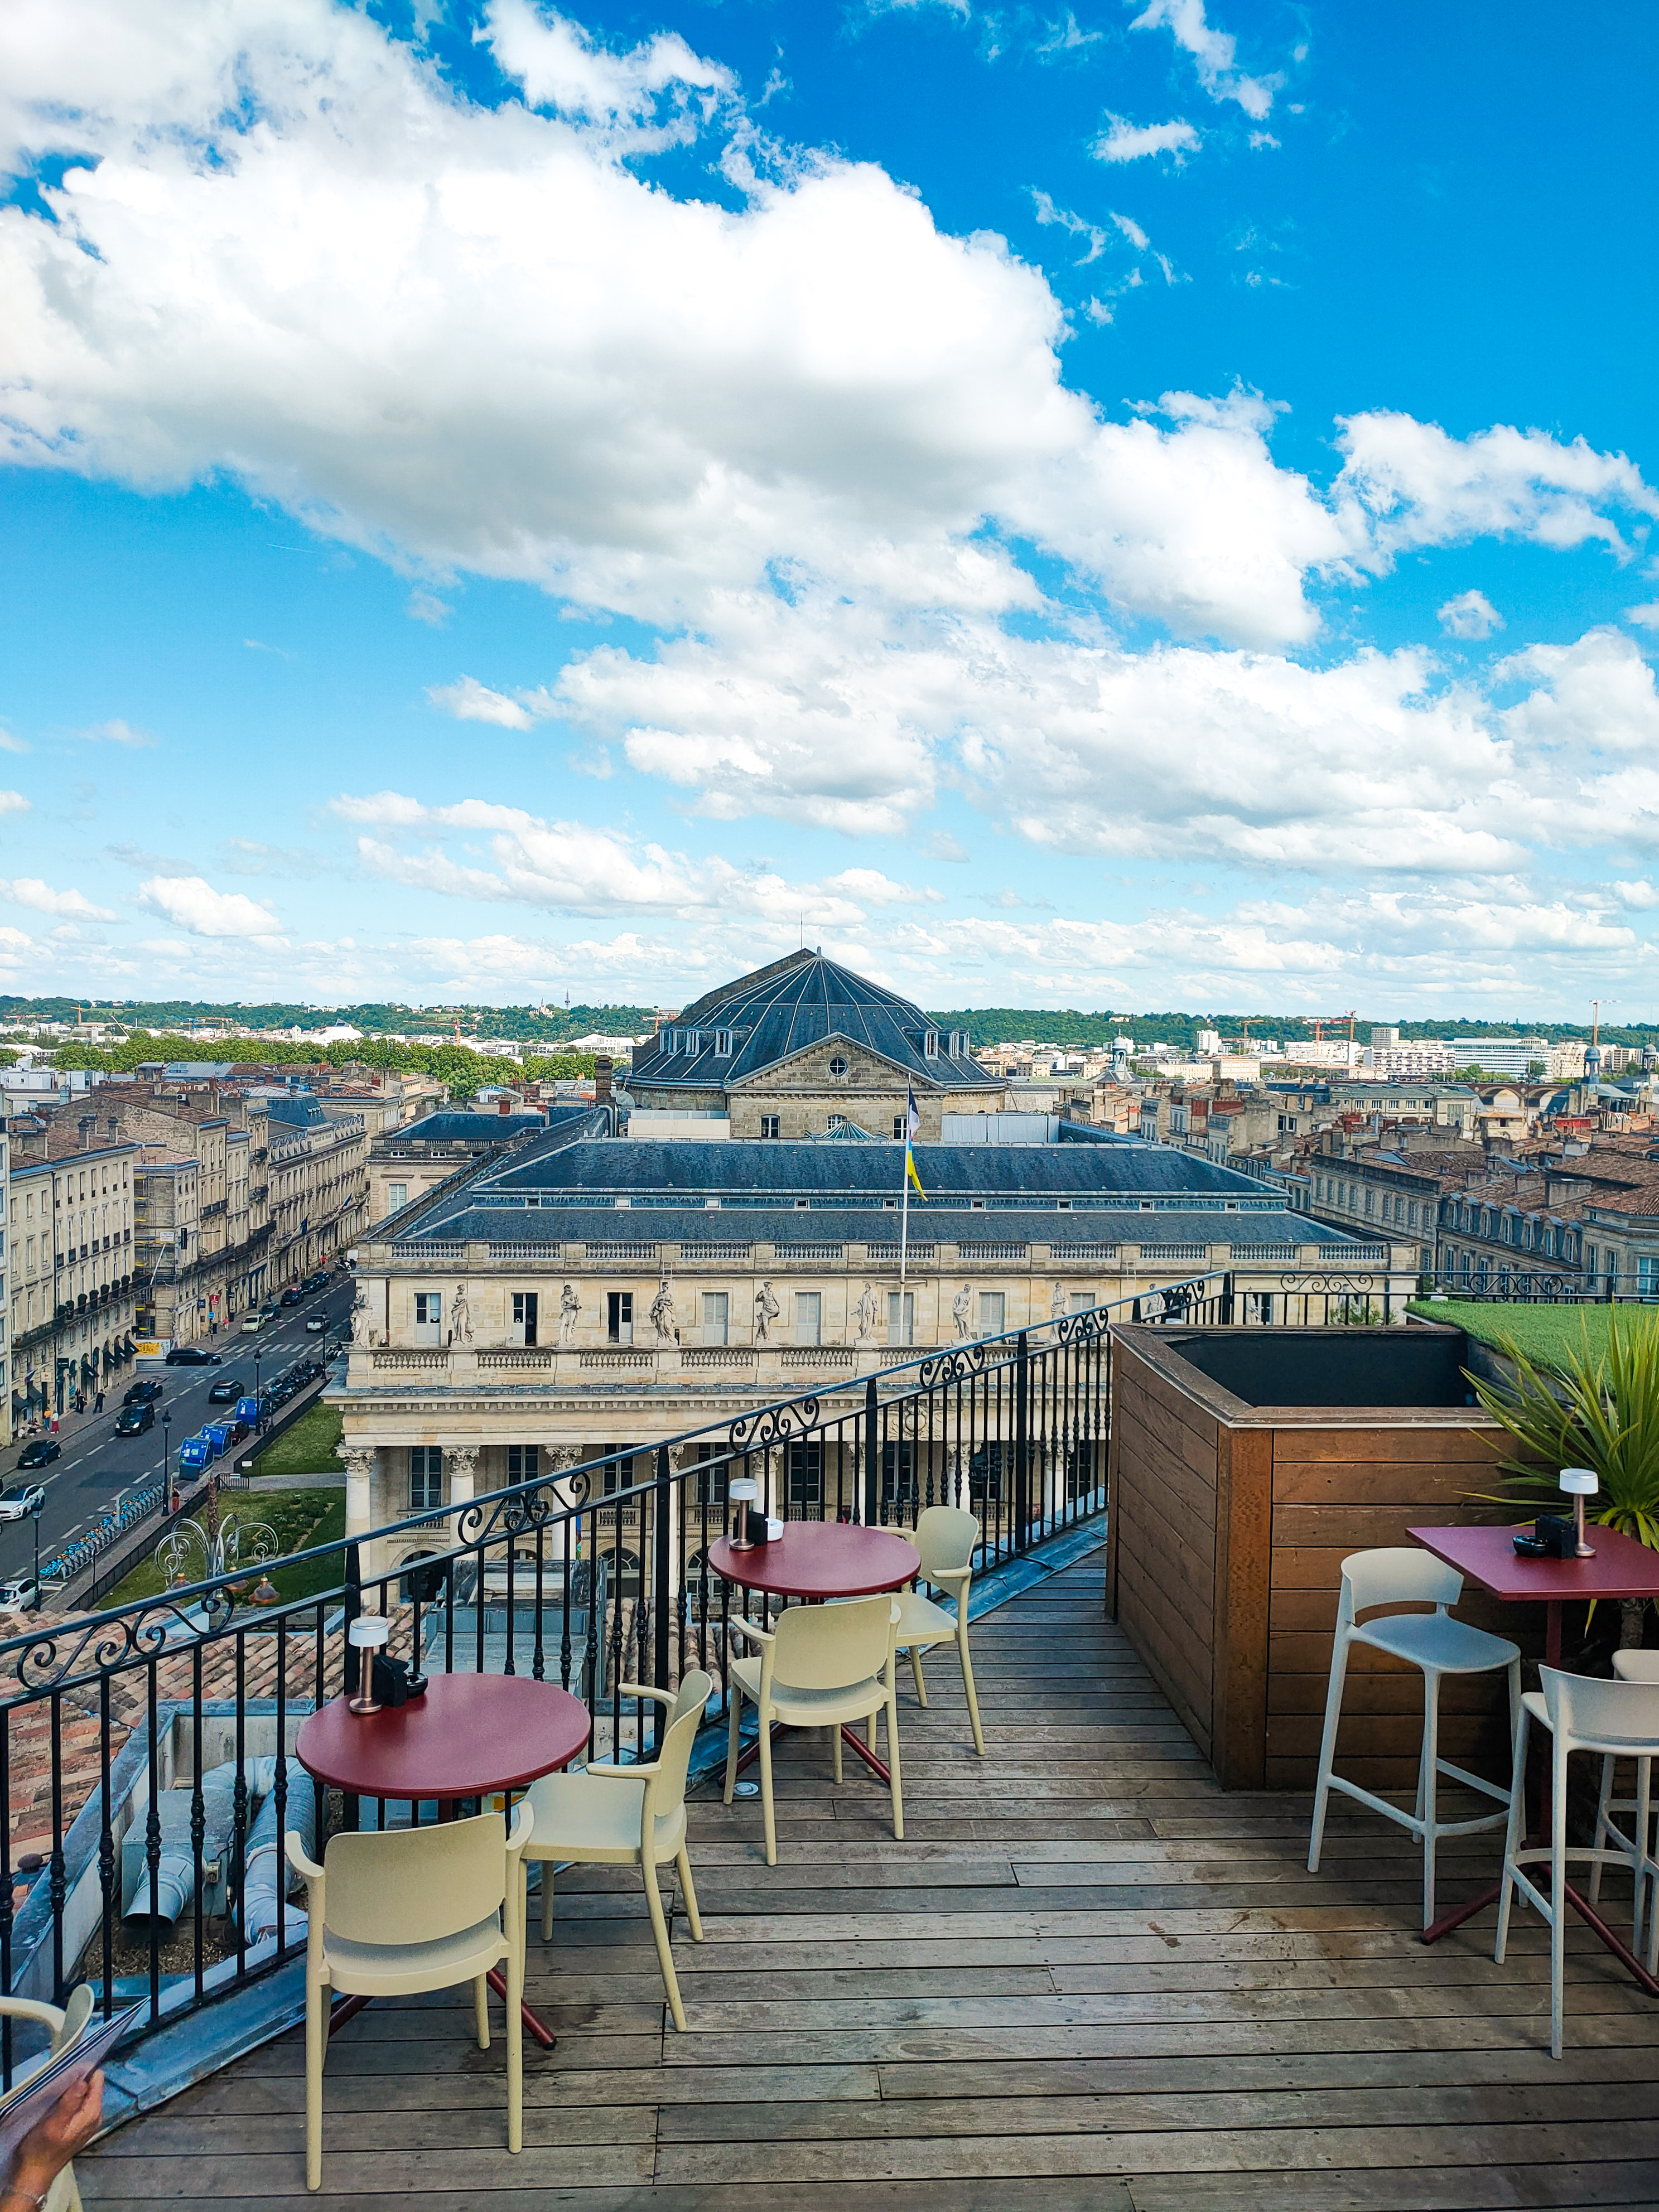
<point>293,1295</point>
<point>18,1596</point>
<point>142,1393</point>
<point>133,1420</point>
<point>253,1322</point>
<point>316,1323</point>
<point>41,1453</point>
<point>191,1355</point>
<point>19,1499</point>
<point>226,1391</point>
<point>318,1282</point>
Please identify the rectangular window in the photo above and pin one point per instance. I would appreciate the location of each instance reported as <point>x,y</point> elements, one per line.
<point>805,1476</point>
<point>899,1127</point>
<point>523,1462</point>
<point>711,1479</point>
<point>426,1478</point>
<point>716,1316</point>
<point>898,1477</point>
<point>1083,1301</point>
<point>397,1197</point>
<point>990,1314</point>
<point>901,1317</point>
<point>723,1044</point>
<point>428,1317</point>
<point>836,1122</point>
<point>619,1317</point>
<point>930,1045</point>
<point>809,1318</point>
<point>771,1125</point>
<point>1647,1278</point>
<point>526,1304</point>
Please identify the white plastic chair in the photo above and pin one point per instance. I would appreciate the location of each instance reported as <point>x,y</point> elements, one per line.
<point>821,1666</point>
<point>1437,1644</point>
<point>610,1815</point>
<point>412,1908</point>
<point>945,1537</point>
<point>65,2024</point>
<point>1583,1713</point>
<point>1629,1667</point>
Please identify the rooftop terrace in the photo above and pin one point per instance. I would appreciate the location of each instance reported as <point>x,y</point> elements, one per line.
<point>1087,1978</point>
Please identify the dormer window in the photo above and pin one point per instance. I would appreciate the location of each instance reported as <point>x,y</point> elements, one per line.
<point>670,1041</point>
<point>723,1044</point>
<point>930,1044</point>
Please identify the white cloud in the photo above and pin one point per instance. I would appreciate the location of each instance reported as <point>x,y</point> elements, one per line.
<point>1640,894</point>
<point>560,66</point>
<point>1133,142</point>
<point>1471,614</point>
<point>423,607</point>
<point>13,802</point>
<point>117,734</point>
<point>29,890</point>
<point>1647,616</point>
<point>1417,486</point>
<point>1214,52</point>
<point>191,904</point>
<point>472,702</point>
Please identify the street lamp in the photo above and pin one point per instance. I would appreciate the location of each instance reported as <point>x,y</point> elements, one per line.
<point>35,1518</point>
<point>167,1458</point>
<point>259,1414</point>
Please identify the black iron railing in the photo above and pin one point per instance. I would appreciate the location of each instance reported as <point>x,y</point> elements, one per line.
<point>144,1751</point>
<point>1496,1282</point>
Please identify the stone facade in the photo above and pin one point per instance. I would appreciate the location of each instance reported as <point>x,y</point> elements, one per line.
<point>71,1273</point>
<point>836,1081</point>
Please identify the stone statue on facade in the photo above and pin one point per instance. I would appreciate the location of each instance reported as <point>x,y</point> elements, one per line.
<point>570,1312</point>
<point>662,1315</point>
<point>1057,1302</point>
<point>362,1333</point>
<point>460,1320</point>
<point>960,1305</point>
<point>766,1310</point>
<point>867,1313</point>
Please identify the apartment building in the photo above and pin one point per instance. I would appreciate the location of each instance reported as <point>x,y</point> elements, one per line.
<point>70,1264</point>
<point>318,1170</point>
<point>406,1165</point>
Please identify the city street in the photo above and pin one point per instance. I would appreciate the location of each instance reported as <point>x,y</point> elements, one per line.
<point>97,1465</point>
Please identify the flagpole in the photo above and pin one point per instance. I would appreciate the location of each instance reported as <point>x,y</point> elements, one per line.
<point>904,1219</point>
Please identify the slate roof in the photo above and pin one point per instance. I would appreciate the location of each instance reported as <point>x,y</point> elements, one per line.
<point>779,1011</point>
<point>456,1128</point>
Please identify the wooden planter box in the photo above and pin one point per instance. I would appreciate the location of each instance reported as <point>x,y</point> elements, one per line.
<point>1229,1519</point>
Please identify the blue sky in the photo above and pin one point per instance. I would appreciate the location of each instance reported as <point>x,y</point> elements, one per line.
<point>1126,505</point>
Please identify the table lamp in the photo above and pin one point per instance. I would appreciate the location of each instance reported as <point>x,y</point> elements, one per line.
<point>741,1495</point>
<point>368,1633</point>
<point>1580,1483</point>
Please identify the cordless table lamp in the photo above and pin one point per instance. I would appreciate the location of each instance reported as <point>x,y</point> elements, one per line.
<point>1580,1483</point>
<point>368,1633</point>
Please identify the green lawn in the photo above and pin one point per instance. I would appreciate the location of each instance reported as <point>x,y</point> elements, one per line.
<point>300,1518</point>
<point>310,1447</point>
<point>1544,1332</point>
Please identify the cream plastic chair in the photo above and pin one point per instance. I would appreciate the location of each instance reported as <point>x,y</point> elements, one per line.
<point>820,1666</point>
<point>1629,1667</point>
<point>65,2024</point>
<point>1582,1712</point>
<point>627,1816</point>
<point>414,1909</point>
<point>945,1537</point>
<point>1437,1644</point>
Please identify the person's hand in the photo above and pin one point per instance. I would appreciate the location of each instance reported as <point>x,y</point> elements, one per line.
<point>50,2143</point>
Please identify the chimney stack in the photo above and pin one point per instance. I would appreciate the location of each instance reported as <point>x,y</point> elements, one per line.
<point>602,1080</point>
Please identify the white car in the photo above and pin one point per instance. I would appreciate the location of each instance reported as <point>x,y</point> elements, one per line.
<point>19,1499</point>
<point>18,1595</point>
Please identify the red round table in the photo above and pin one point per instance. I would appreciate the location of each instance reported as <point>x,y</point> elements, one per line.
<point>821,1559</point>
<point>468,1736</point>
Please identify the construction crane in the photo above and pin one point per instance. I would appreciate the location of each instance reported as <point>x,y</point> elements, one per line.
<point>1320,1022</point>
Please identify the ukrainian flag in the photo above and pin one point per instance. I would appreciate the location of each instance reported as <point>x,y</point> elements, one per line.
<point>912,1123</point>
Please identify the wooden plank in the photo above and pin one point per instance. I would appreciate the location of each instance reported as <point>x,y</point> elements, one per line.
<point>1244,1538</point>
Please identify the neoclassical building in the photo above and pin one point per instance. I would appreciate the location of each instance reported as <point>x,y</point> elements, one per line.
<point>806,1048</point>
<point>582,1294</point>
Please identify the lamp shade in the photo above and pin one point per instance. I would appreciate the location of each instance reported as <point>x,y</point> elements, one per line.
<point>744,1491</point>
<point>1580,1481</point>
<point>369,1631</point>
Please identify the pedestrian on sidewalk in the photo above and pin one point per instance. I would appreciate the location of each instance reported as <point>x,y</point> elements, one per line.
<point>98,1403</point>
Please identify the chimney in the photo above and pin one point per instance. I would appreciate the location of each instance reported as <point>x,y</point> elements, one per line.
<point>504,1106</point>
<point>602,1080</point>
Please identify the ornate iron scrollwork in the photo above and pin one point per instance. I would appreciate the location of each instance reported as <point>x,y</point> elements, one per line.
<point>773,1425</point>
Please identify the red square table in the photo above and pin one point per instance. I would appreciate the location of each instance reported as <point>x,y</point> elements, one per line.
<point>1621,1568</point>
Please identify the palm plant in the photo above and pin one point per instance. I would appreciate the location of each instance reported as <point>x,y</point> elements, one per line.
<point>1585,1410</point>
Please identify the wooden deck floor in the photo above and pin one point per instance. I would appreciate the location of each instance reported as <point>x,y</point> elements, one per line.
<point>1086,1979</point>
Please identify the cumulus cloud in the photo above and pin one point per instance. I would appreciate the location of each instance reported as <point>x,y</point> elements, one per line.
<point>117,734</point>
<point>560,66</point>
<point>569,868</point>
<point>30,891</point>
<point>1647,616</point>
<point>191,903</point>
<point>1471,614</point>
<point>1213,51</point>
<point>1133,142</point>
<point>472,702</point>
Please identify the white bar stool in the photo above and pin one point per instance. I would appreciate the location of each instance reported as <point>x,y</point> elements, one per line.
<point>1435,1643</point>
<point>1629,1667</point>
<point>1582,1712</point>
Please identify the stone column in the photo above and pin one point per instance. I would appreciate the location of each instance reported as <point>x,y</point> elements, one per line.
<point>460,1469</point>
<point>360,1487</point>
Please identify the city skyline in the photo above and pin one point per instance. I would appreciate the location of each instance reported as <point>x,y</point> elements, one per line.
<point>1103,508</point>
